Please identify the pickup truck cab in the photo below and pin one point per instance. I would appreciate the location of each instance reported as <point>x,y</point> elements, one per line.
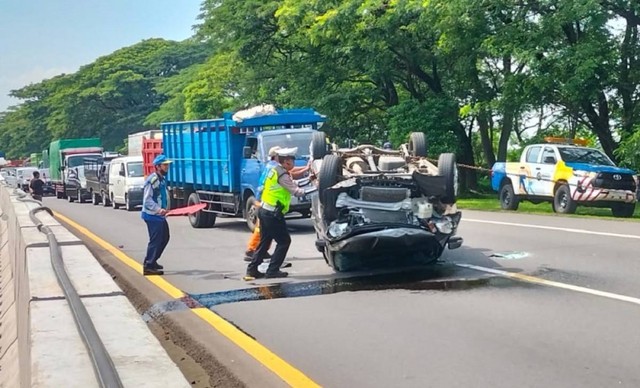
<point>566,174</point>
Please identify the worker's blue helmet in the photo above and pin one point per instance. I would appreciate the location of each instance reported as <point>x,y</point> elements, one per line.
<point>160,159</point>
<point>386,145</point>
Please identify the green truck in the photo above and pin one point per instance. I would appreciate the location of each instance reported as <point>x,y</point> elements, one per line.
<point>35,160</point>
<point>66,166</point>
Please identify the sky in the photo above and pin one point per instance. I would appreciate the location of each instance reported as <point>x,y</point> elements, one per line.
<point>43,38</point>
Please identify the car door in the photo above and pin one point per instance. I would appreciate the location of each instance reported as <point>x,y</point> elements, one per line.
<point>529,179</point>
<point>546,170</point>
<point>113,178</point>
<point>252,165</point>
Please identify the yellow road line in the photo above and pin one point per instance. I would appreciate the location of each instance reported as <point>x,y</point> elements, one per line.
<point>551,283</point>
<point>270,360</point>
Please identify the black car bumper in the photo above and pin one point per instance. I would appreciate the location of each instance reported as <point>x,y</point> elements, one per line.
<point>135,197</point>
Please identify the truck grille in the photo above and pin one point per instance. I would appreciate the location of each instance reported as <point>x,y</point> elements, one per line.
<point>606,180</point>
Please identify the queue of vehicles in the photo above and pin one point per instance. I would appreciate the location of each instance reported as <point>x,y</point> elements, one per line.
<point>371,201</point>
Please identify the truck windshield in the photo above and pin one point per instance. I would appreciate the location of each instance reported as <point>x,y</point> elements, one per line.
<point>290,140</point>
<point>135,169</point>
<point>76,161</point>
<point>584,155</point>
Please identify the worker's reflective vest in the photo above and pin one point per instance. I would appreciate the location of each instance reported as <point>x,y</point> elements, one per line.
<point>275,194</point>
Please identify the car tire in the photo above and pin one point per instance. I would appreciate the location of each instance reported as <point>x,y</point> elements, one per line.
<point>330,174</point>
<point>105,199</point>
<point>508,198</point>
<point>200,219</point>
<point>318,145</point>
<point>113,203</point>
<point>94,198</point>
<point>562,201</point>
<point>251,213</point>
<point>70,198</point>
<point>58,194</point>
<point>448,168</point>
<point>418,144</point>
<point>624,210</point>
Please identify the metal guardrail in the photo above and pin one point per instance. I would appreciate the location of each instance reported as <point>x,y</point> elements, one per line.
<point>103,366</point>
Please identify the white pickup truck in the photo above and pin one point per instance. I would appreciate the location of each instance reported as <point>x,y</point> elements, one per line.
<point>567,175</point>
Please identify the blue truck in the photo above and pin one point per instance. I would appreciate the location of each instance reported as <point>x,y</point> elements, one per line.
<point>219,161</point>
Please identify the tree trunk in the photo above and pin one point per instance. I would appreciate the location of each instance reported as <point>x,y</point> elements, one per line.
<point>507,115</point>
<point>487,144</point>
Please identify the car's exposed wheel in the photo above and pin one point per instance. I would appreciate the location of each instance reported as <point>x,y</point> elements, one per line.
<point>329,175</point>
<point>623,210</point>
<point>318,145</point>
<point>113,203</point>
<point>508,198</point>
<point>562,201</point>
<point>448,168</point>
<point>200,219</point>
<point>251,212</point>
<point>418,144</point>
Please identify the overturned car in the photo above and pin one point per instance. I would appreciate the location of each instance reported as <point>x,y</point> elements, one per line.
<point>379,205</point>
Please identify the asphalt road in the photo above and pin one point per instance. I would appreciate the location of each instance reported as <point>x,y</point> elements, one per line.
<point>443,327</point>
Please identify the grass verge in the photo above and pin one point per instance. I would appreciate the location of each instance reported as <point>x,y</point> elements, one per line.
<point>491,203</point>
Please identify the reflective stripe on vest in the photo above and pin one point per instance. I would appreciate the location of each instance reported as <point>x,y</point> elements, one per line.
<point>274,193</point>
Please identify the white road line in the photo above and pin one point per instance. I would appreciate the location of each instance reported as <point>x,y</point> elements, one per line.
<point>550,283</point>
<point>570,230</point>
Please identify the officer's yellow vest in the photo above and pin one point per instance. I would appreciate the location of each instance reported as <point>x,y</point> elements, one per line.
<point>274,193</point>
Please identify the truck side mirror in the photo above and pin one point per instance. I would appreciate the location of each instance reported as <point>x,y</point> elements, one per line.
<point>246,152</point>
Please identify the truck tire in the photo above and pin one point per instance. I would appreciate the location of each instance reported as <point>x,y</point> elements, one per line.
<point>251,213</point>
<point>58,194</point>
<point>623,210</point>
<point>113,203</point>
<point>562,201</point>
<point>94,199</point>
<point>329,175</point>
<point>508,198</point>
<point>318,145</point>
<point>70,198</point>
<point>200,219</point>
<point>448,168</point>
<point>418,144</point>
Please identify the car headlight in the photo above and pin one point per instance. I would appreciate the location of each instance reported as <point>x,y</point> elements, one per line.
<point>444,225</point>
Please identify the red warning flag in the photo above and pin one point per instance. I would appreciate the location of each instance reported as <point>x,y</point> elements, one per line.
<point>185,211</point>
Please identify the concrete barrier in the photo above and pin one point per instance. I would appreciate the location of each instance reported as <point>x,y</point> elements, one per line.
<point>39,342</point>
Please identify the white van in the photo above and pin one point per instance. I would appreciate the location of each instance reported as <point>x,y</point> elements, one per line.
<point>126,180</point>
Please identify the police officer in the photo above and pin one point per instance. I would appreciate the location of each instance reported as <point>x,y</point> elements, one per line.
<point>154,208</point>
<point>276,198</point>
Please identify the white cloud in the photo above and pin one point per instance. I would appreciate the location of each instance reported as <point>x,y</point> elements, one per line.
<point>28,76</point>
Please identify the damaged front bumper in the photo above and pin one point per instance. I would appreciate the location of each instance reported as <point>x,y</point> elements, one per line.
<point>393,240</point>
